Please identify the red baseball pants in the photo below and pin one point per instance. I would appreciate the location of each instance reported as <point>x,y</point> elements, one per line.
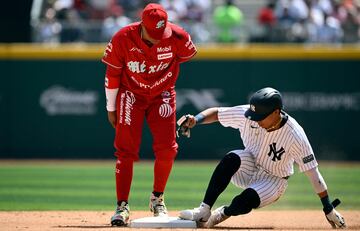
<point>160,114</point>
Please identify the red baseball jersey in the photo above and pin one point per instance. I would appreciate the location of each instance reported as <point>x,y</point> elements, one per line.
<point>142,69</point>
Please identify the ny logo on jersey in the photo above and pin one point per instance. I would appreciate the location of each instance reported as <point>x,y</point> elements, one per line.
<point>277,153</point>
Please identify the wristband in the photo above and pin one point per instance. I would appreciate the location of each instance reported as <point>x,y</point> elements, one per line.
<point>199,118</point>
<point>327,205</point>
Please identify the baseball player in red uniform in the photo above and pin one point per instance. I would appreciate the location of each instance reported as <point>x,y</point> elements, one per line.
<point>143,61</point>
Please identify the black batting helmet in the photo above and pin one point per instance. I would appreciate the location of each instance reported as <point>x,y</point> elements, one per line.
<point>263,103</point>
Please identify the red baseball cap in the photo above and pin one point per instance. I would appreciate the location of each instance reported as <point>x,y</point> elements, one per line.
<point>155,20</point>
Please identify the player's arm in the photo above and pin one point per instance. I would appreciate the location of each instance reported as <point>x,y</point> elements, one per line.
<point>113,58</point>
<point>207,116</point>
<point>334,217</point>
<point>112,84</point>
<point>186,48</point>
<point>186,122</point>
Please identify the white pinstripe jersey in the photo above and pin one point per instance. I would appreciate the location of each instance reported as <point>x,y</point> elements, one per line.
<point>276,151</point>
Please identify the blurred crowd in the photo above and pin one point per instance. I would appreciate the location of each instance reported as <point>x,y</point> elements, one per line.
<point>313,21</point>
<point>300,21</point>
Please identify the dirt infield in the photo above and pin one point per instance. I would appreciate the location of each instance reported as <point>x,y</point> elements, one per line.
<point>89,220</point>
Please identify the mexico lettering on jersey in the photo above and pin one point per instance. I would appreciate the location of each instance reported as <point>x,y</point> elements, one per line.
<point>276,151</point>
<point>148,70</point>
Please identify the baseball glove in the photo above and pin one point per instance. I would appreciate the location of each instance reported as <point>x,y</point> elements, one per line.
<point>183,129</point>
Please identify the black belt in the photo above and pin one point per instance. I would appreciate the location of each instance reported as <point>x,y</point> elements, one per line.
<point>286,177</point>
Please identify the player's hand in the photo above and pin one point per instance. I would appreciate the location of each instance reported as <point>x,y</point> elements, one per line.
<point>335,219</point>
<point>185,123</point>
<point>112,118</point>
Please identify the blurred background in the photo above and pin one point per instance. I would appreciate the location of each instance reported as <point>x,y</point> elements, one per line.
<point>52,102</point>
<point>226,21</point>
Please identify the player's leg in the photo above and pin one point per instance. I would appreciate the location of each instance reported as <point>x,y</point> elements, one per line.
<point>248,198</point>
<point>221,177</point>
<point>263,190</point>
<point>127,144</point>
<point>161,118</point>
<point>235,162</point>
<point>269,188</point>
<point>241,204</point>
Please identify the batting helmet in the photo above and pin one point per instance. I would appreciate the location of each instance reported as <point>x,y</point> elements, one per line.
<point>263,103</point>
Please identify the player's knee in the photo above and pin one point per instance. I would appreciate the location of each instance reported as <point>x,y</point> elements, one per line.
<point>127,156</point>
<point>243,203</point>
<point>231,162</point>
<point>167,154</point>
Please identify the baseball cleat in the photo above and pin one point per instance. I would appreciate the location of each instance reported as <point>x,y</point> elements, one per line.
<point>121,216</point>
<point>157,206</point>
<point>200,214</point>
<point>216,217</point>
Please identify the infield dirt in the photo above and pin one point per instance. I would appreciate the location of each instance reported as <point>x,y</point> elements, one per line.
<point>92,220</point>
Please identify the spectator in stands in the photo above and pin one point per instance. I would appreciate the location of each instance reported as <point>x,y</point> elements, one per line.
<point>296,9</point>
<point>71,30</point>
<point>177,9</point>
<point>49,29</point>
<point>132,8</point>
<point>312,21</point>
<point>291,15</point>
<point>348,13</point>
<point>331,31</point>
<point>321,26</point>
<point>194,21</point>
<point>117,19</point>
<point>315,20</point>
<point>266,15</point>
<point>99,9</point>
<point>228,19</point>
<point>267,21</point>
<point>82,7</point>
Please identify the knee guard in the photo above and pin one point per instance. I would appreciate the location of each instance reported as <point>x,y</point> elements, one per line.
<point>243,203</point>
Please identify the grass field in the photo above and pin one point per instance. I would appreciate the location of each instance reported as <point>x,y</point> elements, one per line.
<point>89,185</point>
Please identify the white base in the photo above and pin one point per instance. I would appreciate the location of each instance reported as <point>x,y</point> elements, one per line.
<point>162,222</point>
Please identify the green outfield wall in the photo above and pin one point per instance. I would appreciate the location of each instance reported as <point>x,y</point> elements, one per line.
<point>52,102</point>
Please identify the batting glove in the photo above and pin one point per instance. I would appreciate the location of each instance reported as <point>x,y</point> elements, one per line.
<point>335,219</point>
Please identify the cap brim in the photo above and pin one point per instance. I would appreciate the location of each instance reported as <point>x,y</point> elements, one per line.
<point>155,35</point>
<point>254,116</point>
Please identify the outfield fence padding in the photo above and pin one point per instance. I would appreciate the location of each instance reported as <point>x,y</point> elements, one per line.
<point>52,102</point>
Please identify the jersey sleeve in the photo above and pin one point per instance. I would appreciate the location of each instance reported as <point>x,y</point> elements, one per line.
<point>186,48</point>
<point>232,116</point>
<point>112,77</point>
<point>303,152</point>
<point>112,54</point>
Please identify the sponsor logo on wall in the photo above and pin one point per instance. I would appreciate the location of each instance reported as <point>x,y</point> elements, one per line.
<point>59,100</point>
<point>293,101</point>
<point>200,98</point>
<point>321,101</point>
